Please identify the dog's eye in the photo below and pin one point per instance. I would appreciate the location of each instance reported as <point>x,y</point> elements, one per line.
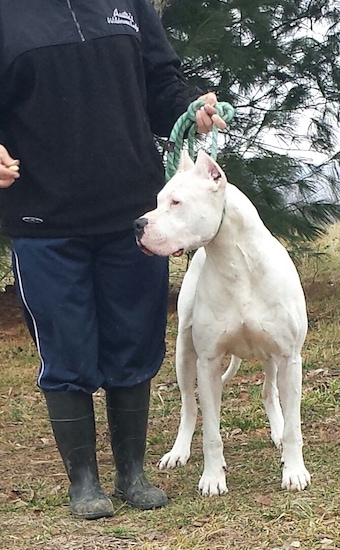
<point>174,203</point>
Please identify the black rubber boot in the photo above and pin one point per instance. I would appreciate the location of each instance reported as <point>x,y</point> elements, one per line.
<point>127,411</point>
<point>73,424</point>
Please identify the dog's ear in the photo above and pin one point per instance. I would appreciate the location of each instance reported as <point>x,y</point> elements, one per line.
<point>185,163</point>
<point>205,166</point>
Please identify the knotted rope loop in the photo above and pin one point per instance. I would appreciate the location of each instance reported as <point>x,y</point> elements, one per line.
<point>186,123</point>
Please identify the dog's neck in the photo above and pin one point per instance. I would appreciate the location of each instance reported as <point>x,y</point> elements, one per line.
<point>222,215</point>
<point>240,227</point>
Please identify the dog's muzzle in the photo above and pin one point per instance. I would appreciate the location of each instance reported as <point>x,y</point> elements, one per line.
<point>139,225</point>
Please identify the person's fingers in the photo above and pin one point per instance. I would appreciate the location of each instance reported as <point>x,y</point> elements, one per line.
<point>203,121</point>
<point>219,122</point>
<point>206,116</point>
<point>209,98</point>
<point>209,109</point>
<point>8,174</point>
<point>5,157</point>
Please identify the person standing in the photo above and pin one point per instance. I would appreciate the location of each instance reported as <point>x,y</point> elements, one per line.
<point>84,86</point>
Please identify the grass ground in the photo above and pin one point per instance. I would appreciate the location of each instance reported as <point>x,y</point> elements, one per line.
<point>256,513</point>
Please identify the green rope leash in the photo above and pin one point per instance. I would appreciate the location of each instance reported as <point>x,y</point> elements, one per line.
<point>187,121</point>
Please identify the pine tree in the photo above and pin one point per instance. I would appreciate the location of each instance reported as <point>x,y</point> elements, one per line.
<point>277,63</point>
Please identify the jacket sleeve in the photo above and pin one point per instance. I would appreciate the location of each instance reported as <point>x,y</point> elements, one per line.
<point>168,93</point>
<point>2,137</point>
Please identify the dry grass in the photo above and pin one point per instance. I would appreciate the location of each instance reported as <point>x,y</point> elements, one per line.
<point>255,514</point>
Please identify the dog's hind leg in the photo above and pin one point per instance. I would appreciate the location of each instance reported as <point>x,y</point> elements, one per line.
<point>271,401</point>
<point>295,477</point>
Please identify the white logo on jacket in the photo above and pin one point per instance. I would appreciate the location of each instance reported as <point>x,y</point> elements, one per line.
<point>123,18</point>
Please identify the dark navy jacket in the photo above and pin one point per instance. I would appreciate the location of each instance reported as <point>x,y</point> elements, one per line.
<point>84,85</point>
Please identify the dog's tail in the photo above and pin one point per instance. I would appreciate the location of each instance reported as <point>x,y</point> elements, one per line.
<point>232,369</point>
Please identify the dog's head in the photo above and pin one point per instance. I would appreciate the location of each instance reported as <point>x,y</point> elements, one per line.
<point>189,209</point>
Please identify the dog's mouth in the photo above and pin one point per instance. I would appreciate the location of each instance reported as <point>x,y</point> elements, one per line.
<point>148,252</point>
<point>144,249</point>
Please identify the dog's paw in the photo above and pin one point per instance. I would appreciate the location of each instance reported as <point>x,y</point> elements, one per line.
<point>277,440</point>
<point>173,459</point>
<point>213,485</point>
<point>295,479</point>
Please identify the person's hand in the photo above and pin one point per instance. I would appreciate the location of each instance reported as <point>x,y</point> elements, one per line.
<point>206,116</point>
<point>9,168</point>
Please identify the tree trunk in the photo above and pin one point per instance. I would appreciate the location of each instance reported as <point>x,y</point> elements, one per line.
<point>160,5</point>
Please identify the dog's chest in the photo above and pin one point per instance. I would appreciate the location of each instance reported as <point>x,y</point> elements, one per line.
<point>250,340</point>
<point>233,327</point>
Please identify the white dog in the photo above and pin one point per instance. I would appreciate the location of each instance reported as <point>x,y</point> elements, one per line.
<point>241,296</point>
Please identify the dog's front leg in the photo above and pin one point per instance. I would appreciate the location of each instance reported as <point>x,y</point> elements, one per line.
<point>213,480</point>
<point>295,477</point>
<point>186,377</point>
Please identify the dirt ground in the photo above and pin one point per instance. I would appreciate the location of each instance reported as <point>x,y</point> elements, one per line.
<point>33,483</point>
<point>10,312</point>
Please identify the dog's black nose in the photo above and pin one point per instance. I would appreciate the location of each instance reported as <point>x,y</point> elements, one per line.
<point>139,225</point>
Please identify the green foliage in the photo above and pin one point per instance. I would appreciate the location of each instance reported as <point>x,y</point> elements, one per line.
<point>278,64</point>
<point>283,192</point>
